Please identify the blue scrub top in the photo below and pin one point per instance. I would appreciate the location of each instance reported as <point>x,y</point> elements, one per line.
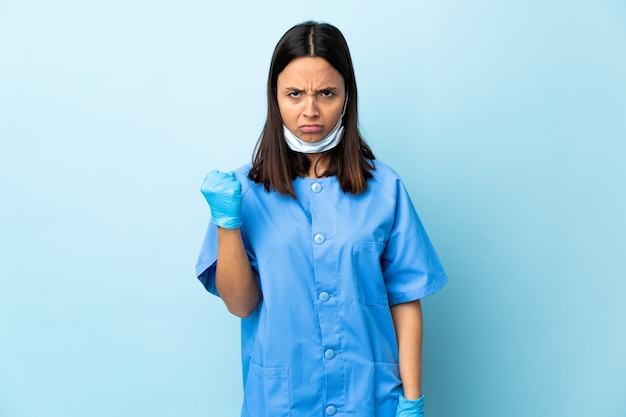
<point>329,264</point>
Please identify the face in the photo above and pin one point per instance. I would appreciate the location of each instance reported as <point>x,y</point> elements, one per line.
<point>311,95</point>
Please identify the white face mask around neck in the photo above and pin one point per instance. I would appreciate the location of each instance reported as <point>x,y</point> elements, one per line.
<point>329,142</point>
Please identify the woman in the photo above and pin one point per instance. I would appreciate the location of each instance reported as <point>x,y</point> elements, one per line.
<point>317,246</point>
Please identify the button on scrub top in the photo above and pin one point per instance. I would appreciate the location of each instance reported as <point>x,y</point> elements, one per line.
<point>329,266</point>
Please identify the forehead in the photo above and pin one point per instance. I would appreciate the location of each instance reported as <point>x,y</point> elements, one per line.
<point>310,72</point>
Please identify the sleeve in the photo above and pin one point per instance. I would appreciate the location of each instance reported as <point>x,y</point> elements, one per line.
<point>411,268</point>
<point>205,267</point>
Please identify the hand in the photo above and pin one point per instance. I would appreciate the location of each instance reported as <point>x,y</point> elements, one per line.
<point>410,408</point>
<point>223,193</point>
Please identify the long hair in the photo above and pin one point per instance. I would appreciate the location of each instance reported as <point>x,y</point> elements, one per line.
<point>274,164</point>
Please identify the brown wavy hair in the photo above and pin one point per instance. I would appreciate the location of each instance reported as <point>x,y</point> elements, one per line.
<point>274,164</point>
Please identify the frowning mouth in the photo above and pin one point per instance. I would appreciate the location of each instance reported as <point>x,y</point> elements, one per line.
<point>311,128</point>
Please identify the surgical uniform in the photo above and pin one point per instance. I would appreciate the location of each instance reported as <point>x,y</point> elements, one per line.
<point>329,265</point>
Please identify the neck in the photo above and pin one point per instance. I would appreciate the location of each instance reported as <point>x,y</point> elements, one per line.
<point>319,165</point>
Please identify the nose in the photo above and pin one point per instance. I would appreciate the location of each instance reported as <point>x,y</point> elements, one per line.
<point>311,110</point>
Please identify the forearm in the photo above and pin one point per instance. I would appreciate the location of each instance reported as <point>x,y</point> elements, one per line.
<point>407,319</point>
<point>234,278</point>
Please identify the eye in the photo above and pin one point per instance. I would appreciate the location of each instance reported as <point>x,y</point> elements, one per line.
<point>327,93</point>
<point>294,94</point>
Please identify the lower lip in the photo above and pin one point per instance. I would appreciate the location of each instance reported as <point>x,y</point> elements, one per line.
<point>311,129</point>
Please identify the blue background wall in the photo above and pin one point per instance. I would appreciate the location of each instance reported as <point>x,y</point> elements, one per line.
<point>507,121</point>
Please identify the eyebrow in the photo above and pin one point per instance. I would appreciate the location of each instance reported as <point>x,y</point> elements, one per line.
<point>333,89</point>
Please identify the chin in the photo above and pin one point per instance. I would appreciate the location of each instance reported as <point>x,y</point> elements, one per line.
<point>311,138</point>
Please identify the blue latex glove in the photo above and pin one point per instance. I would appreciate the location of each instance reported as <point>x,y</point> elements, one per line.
<point>410,408</point>
<point>223,193</point>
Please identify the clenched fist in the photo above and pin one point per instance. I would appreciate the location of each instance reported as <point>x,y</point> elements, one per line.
<point>223,193</point>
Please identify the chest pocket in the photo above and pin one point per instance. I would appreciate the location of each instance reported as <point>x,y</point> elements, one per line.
<point>368,275</point>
